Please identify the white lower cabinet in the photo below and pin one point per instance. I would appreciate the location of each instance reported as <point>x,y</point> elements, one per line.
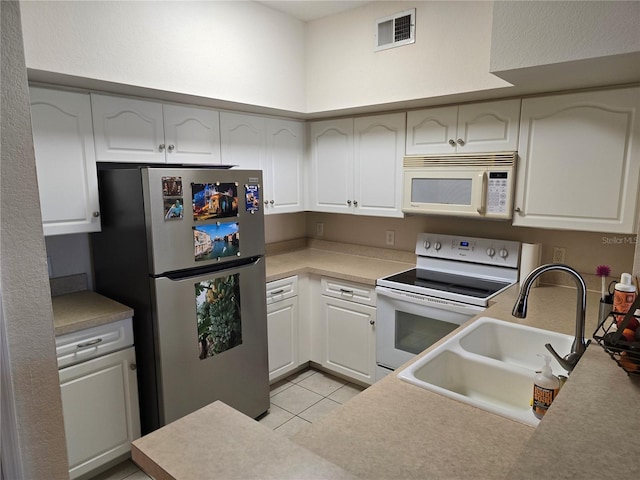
<point>99,389</point>
<point>282,326</point>
<point>100,410</point>
<point>347,329</point>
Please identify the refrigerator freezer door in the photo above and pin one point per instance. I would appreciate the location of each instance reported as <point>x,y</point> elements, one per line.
<point>212,341</point>
<point>201,217</point>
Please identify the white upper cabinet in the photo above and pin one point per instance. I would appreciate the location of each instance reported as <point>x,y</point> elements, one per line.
<point>139,131</point>
<point>471,128</point>
<point>192,135</point>
<point>332,166</point>
<point>243,140</point>
<point>377,168</point>
<point>273,145</point>
<point>283,169</point>
<point>580,161</point>
<point>356,165</point>
<point>65,161</point>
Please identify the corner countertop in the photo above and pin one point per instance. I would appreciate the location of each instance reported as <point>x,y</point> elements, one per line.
<point>396,430</point>
<point>225,443</point>
<point>85,309</point>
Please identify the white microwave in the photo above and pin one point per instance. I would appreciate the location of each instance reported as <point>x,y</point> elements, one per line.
<point>471,185</point>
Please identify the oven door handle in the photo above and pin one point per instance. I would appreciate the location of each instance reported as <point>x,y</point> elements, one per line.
<point>425,300</point>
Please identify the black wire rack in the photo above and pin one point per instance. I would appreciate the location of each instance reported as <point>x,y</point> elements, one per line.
<point>609,335</point>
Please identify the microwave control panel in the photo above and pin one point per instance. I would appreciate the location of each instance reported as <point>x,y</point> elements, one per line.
<point>498,192</point>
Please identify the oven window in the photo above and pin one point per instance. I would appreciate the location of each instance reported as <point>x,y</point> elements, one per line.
<point>441,191</point>
<point>415,333</point>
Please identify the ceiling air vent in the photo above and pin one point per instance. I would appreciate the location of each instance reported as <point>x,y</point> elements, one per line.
<point>396,30</point>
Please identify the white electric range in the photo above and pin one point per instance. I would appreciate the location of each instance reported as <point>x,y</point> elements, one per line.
<point>454,279</point>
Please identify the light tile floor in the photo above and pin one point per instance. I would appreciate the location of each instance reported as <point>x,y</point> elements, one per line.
<point>296,402</point>
<point>304,398</point>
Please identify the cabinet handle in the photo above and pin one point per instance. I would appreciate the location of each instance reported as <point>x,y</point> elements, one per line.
<point>348,202</point>
<point>355,203</point>
<point>518,210</point>
<point>89,344</point>
<point>266,202</point>
<point>96,214</point>
<point>461,142</point>
<point>372,322</point>
<point>344,290</point>
<point>271,202</point>
<point>161,146</point>
<point>171,147</point>
<point>452,142</point>
<point>133,366</point>
<point>277,292</point>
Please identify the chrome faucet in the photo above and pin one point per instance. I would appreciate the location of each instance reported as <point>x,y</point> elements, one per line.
<point>520,311</point>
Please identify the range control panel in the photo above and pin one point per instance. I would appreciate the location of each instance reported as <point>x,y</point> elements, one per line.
<point>470,249</point>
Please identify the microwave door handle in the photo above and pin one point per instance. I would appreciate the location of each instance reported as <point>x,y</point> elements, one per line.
<point>483,196</point>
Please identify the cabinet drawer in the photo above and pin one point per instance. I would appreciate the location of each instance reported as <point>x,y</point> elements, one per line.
<point>92,342</point>
<point>280,289</point>
<point>354,292</point>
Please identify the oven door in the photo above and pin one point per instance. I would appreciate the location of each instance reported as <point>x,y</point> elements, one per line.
<point>408,324</point>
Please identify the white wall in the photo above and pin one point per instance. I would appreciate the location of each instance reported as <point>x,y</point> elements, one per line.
<point>450,55</point>
<point>33,445</point>
<point>527,33</point>
<point>545,46</point>
<point>70,255</point>
<point>236,51</point>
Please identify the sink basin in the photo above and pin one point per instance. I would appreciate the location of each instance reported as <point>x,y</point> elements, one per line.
<point>514,344</point>
<point>490,365</point>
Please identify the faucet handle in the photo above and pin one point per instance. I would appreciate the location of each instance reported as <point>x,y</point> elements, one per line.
<point>570,360</point>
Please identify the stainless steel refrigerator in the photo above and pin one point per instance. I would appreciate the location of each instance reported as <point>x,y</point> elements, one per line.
<point>184,247</point>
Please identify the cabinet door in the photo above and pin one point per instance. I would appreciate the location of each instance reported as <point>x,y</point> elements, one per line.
<point>349,342</point>
<point>127,130</point>
<point>488,127</point>
<point>332,166</point>
<point>192,135</point>
<point>100,410</point>
<point>65,161</point>
<point>283,171</point>
<point>282,328</point>
<point>242,140</point>
<point>377,165</point>
<point>432,131</point>
<point>580,162</point>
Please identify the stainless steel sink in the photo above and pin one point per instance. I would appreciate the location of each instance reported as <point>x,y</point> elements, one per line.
<point>490,365</point>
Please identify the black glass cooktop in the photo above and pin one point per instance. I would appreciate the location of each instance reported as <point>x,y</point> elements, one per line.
<point>447,282</point>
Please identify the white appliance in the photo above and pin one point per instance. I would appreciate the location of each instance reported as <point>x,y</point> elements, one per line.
<point>454,279</point>
<point>473,185</point>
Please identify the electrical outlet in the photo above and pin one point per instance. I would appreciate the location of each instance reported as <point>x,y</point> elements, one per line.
<point>559,254</point>
<point>319,229</point>
<point>391,237</point>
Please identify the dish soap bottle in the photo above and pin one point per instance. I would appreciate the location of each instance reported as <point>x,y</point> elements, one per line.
<point>545,388</point>
<point>623,296</point>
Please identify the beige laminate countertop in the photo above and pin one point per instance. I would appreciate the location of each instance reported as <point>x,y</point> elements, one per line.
<point>79,310</point>
<point>344,266</point>
<point>226,444</point>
